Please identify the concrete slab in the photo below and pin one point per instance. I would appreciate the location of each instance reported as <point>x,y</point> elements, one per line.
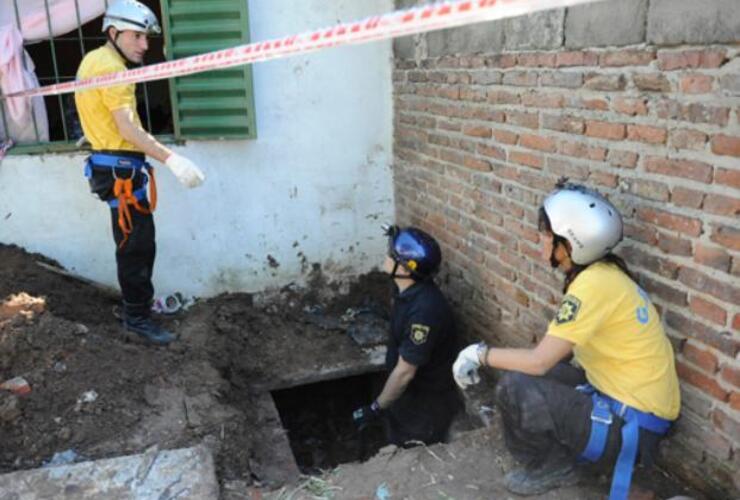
<point>543,30</point>
<point>477,38</point>
<point>186,473</point>
<point>608,23</point>
<point>688,21</point>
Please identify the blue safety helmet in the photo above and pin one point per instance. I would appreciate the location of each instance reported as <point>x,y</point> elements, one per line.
<point>417,251</point>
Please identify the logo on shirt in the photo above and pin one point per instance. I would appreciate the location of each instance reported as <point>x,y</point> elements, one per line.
<point>568,310</point>
<point>419,333</point>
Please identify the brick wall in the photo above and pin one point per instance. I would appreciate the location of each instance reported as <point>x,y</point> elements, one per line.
<point>481,137</point>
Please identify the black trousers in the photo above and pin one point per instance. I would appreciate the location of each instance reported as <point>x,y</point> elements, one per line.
<point>546,418</point>
<point>421,417</point>
<point>135,260</point>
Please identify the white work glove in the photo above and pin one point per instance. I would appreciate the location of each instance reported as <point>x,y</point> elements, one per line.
<point>466,366</point>
<point>185,170</point>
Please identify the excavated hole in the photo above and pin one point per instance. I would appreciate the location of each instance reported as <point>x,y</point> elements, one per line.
<point>318,418</point>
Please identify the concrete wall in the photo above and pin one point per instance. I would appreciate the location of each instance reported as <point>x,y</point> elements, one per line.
<point>638,98</point>
<point>313,188</point>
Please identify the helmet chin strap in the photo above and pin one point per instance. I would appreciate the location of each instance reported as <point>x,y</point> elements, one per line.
<point>396,265</point>
<point>112,40</point>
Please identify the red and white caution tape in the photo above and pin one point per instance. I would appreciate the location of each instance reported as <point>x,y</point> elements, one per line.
<point>399,23</point>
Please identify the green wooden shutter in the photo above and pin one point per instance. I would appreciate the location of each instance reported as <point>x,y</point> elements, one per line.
<point>216,104</point>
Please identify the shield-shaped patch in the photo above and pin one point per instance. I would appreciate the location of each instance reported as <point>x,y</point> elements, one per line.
<point>419,333</point>
<point>568,311</point>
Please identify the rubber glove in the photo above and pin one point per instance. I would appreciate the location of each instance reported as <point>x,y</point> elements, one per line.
<point>466,366</point>
<point>185,170</point>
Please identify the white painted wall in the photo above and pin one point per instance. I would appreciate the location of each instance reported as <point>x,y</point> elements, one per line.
<point>317,181</point>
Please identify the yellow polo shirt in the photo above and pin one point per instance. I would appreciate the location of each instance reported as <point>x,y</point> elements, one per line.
<point>619,340</point>
<point>95,106</point>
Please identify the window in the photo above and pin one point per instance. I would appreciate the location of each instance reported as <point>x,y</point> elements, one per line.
<point>213,105</point>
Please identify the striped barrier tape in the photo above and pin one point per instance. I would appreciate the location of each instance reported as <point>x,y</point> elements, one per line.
<point>394,24</point>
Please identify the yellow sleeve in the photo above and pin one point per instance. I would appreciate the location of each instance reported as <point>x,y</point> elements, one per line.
<point>581,312</point>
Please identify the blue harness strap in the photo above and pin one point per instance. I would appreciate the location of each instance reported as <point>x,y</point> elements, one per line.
<point>112,161</point>
<point>604,407</point>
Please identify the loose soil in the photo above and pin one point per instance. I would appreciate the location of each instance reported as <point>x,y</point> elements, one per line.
<point>101,396</point>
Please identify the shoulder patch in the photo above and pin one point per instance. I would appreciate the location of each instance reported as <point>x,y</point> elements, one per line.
<point>568,311</point>
<point>419,333</point>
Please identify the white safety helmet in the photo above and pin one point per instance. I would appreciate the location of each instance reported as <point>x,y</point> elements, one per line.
<point>590,223</point>
<point>131,15</point>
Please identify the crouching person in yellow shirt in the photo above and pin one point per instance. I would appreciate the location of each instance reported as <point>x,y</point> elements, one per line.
<point>625,395</point>
<point>117,169</point>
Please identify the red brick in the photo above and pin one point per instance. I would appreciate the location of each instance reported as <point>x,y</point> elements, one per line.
<point>722,205</point>
<point>502,97</point>
<point>536,59</point>
<point>664,291</point>
<point>714,257</point>
<point>720,340</point>
<point>501,61</point>
<point>645,234</point>
<point>627,58</point>
<point>735,401</point>
<point>534,99</point>
<point>529,120</point>
<point>623,159</point>
<point>580,150</point>
<point>605,130</point>
<point>708,310</point>
<point>448,125</point>
<point>670,60</point>
<point>726,423</point>
<point>471,94</point>
<point>520,78</point>
<point>645,133</point>
<point>687,139</point>
<point>565,168</point>
<point>687,169</point>
<point>578,58</point>
<point>706,384</point>
<point>683,224</point>
<point>492,151</point>
<point>528,159</point>
<point>628,106</point>
<point>731,374</point>
<point>727,177</point>
<point>537,142</point>
<point>651,190</point>
<point>477,131</point>
<point>652,82</point>
<point>685,197</point>
<point>563,123</point>
<point>596,104</point>
<point>701,282</point>
<point>606,83</point>
<point>603,178</point>
<point>705,360</point>
<point>504,136</point>
<point>674,245</point>
<point>736,322</point>
<point>477,164</point>
<point>727,236</point>
<point>726,145</point>
<point>696,84</point>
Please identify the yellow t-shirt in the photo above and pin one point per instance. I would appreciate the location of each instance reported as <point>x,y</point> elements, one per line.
<point>619,340</point>
<point>95,106</point>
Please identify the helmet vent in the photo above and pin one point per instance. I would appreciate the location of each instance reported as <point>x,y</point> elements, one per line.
<point>592,205</point>
<point>610,212</point>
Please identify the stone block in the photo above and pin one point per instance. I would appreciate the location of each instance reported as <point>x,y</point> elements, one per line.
<point>542,30</point>
<point>472,39</point>
<point>606,23</point>
<point>673,22</point>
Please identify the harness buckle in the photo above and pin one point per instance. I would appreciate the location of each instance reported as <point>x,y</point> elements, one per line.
<point>601,413</point>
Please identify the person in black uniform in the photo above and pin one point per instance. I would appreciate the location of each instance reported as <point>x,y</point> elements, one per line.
<point>419,398</point>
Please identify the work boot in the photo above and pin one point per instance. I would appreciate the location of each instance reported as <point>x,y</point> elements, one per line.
<point>532,480</point>
<point>146,330</point>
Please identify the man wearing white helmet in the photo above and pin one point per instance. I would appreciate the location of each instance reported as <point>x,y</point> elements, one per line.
<point>624,395</point>
<point>117,169</point>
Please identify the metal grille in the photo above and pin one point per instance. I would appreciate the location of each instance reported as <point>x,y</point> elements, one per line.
<point>57,60</point>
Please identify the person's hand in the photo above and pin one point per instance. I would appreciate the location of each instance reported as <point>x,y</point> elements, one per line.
<point>466,366</point>
<point>185,170</point>
<point>366,415</point>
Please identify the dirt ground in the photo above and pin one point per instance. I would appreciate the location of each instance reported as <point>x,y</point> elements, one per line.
<point>100,396</point>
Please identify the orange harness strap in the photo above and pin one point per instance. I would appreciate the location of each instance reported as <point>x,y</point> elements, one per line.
<point>123,190</point>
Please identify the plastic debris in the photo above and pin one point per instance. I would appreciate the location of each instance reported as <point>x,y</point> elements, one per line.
<point>88,397</point>
<point>16,385</point>
<point>170,304</point>
<point>65,457</point>
<point>382,492</point>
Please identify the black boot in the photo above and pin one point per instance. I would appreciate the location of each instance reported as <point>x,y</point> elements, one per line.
<point>541,478</point>
<point>145,329</point>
